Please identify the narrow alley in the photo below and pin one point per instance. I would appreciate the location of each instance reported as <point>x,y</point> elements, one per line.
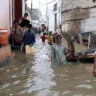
<point>65,28</point>
<point>35,76</point>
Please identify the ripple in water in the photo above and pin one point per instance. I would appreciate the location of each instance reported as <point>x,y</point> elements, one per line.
<point>84,86</point>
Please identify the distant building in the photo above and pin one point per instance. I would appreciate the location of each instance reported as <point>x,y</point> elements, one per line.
<point>28,10</point>
<point>53,15</point>
<point>35,18</point>
<point>35,14</point>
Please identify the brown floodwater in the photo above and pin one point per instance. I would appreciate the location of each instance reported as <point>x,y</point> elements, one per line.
<point>35,76</point>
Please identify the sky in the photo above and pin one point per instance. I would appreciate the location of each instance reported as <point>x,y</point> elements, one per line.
<point>35,4</point>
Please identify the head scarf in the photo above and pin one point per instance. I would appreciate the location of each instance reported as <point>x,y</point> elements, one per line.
<point>57,36</point>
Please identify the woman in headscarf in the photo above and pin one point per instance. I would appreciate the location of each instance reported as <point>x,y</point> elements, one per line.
<point>16,34</point>
<point>58,51</point>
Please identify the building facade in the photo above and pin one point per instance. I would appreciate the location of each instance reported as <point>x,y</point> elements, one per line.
<point>11,10</point>
<point>5,18</point>
<point>78,16</point>
<point>35,18</point>
<point>53,15</point>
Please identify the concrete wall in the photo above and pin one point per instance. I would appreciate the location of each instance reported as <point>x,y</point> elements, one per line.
<point>70,4</point>
<point>4,14</point>
<point>51,14</point>
<point>78,16</point>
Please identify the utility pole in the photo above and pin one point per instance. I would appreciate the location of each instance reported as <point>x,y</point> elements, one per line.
<point>31,10</point>
<point>39,13</point>
<point>46,16</point>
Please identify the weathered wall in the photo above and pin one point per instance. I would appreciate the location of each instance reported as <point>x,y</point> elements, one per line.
<point>70,4</point>
<point>89,24</point>
<point>80,17</point>
<point>71,19</point>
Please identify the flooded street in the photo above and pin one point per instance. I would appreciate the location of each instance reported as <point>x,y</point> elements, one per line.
<point>35,76</point>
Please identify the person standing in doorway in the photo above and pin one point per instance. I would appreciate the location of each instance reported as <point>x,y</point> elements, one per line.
<point>28,38</point>
<point>16,35</point>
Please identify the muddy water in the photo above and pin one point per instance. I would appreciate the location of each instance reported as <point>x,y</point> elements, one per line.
<point>35,76</point>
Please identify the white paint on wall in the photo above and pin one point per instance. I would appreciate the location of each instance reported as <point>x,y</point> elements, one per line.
<point>4,14</point>
<point>70,4</point>
<point>51,22</point>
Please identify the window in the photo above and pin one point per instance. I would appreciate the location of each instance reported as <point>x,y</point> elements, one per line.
<point>55,22</point>
<point>55,7</point>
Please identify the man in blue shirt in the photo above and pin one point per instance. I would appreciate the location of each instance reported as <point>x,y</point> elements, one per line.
<point>28,38</point>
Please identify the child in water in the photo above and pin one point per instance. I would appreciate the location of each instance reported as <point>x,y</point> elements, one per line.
<point>58,51</point>
<point>43,38</point>
<point>50,38</point>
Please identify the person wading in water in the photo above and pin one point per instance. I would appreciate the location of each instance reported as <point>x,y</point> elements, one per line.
<point>28,38</point>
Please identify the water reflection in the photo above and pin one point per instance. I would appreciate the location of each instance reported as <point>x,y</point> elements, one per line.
<point>33,75</point>
<point>43,73</point>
